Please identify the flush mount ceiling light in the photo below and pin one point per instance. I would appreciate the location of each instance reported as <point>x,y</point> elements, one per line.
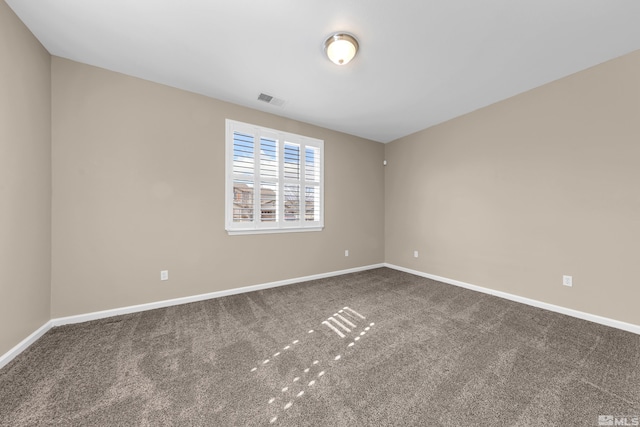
<point>341,48</point>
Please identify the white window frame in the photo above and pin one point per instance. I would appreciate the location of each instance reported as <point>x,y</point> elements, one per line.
<point>279,225</point>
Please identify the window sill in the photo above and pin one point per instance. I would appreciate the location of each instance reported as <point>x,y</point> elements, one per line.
<point>274,230</point>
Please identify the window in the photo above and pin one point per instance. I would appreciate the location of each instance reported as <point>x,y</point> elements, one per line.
<point>274,181</point>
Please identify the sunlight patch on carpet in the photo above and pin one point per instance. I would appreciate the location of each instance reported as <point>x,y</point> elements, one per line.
<point>343,323</point>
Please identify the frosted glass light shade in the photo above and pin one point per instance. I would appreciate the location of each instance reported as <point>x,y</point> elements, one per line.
<point>341,48</point>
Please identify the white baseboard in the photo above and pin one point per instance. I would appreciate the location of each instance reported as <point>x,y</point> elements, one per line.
<point>629,327</point>
<point>11,354</point>
<point>194,298</point>
<point>24,344</point>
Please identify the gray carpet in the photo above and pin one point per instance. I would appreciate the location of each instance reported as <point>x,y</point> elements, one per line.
<point>413,352</point>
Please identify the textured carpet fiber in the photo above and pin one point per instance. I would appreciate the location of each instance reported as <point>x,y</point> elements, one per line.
<point>406,351</point>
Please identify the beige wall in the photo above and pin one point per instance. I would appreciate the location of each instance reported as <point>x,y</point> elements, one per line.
<point>515,195</point>
<point>25,181</point>
<point>138,187</point>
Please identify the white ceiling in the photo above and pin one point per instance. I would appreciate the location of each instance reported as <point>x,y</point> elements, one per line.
<point>421,62</point>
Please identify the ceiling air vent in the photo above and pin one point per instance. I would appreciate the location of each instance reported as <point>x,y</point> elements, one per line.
<point>271,100</point>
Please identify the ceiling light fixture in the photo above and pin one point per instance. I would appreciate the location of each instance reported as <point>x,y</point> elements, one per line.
<point>341,48</point>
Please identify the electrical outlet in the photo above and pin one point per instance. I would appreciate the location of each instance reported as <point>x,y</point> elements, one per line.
<point>164,275</point>
<point>567,280</point>
<point>415,254</point>
<point>346,252</point>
